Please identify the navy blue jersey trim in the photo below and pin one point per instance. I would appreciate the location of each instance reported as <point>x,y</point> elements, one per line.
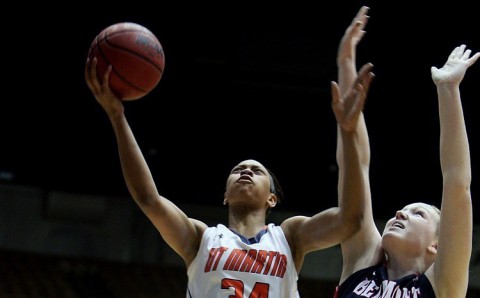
<point>252,240</point>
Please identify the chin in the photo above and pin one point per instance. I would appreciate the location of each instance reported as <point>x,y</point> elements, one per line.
<point>389,236</point>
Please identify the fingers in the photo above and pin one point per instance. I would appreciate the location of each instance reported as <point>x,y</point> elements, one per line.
<point>361,85</point>
<point>470,60</point>
<point>461,52</point>
<point>457,52</point>
<point>365,76</point>
<point>474,58</point>
<point>106,76</point>
<point>87,71</point>
<point>367,81</point>
<point>361,97</point>
<point>362,15</point>
<point>335,92</point>
<point>357,30</point>
<point>358,24</point>
<point>90,73</point>
<point>365,68</point>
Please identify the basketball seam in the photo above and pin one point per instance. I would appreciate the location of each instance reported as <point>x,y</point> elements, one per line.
<point>107,36</point>
<point>100,50</point>
<point>118,73</point>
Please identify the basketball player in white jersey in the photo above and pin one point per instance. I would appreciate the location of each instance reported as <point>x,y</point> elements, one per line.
<point>246,257</point>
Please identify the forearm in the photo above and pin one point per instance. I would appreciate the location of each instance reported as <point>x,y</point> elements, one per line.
<point>353,176</point>
<point>137,175</point>
<point>454,147</point>
<point>357,152</point>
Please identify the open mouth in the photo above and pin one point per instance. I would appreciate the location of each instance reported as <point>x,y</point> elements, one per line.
<point>398,224</point>
<point>245,178</point>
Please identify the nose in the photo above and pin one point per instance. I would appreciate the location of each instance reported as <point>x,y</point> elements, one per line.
<point>401,215</point>
<point>246,171</point>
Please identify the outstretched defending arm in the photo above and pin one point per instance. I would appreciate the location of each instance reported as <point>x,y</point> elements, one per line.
<point>363,248</point>
<point>449,274</point>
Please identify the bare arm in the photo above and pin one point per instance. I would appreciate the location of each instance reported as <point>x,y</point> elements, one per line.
<point>363,248</point>
<point>332,226</point>
<point>180,232</point>
<point>449,274</point>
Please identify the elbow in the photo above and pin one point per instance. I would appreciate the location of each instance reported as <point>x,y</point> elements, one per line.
<point>458,182</point>
<point>145,200</point>
<point>460,176</point>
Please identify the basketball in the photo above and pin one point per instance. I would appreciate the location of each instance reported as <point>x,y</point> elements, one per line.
<point>136,56</point>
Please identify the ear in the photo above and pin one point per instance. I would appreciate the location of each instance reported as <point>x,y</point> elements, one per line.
<point>272,200</point>
<point>225,201</point>
<point>432,249</point>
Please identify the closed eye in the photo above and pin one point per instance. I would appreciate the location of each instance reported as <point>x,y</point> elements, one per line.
<point>254,169</point>
<point>421,213</point>
<point>238,169</point>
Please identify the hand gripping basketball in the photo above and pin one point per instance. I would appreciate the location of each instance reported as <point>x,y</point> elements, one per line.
<point>136,56</point>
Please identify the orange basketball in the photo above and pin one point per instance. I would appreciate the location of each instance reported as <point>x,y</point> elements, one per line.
<point>136,56</point>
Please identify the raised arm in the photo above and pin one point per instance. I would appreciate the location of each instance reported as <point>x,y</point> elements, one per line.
<point>363,248</point>
<point>449,274</point>
<point>180,232</point>
<point>334,225</point>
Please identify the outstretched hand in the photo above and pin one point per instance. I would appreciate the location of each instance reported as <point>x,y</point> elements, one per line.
<point>347,107</point>
<point>102,92</point>
<point>454,69</point>
<point>353,35</point>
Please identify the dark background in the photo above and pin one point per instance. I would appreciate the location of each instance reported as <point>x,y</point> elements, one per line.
<point>240,82</point>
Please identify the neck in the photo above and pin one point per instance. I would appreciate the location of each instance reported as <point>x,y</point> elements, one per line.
<point>399,267</point>
<point>248,223</point>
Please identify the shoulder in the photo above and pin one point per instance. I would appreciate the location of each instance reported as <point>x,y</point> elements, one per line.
<point>291,224</point>
<point>219,228</point>
<point>199,226</point>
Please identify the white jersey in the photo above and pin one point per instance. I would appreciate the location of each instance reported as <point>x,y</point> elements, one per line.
<point>226,266</point>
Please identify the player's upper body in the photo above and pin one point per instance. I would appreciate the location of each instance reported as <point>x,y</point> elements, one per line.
<point>251,191</point>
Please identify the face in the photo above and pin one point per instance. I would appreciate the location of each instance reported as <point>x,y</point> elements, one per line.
<point>248,181</point>
<point>413,229</point>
